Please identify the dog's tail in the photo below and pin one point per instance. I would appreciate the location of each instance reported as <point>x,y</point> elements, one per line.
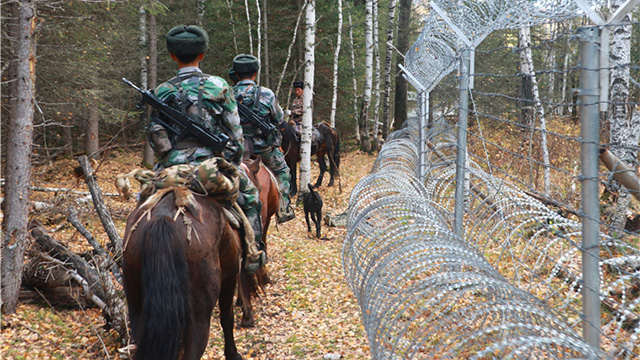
<point>310,187</point>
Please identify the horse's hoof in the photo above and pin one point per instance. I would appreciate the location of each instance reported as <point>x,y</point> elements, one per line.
<point>247,323</point>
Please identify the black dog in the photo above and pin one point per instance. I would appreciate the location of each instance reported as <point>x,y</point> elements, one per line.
<point>312,203</point>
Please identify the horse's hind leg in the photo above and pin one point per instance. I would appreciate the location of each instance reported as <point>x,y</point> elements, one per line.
<point>323,167</point>
<point>225,302</point>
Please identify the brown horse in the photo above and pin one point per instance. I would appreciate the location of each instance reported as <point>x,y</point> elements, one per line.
<point>267,186</point>
<point>181,257</point>
<point>328,145</point>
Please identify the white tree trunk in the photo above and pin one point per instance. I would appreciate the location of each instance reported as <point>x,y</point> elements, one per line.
<point>293,41</point>
<point>307,98</point>
<point>266,63</point>
<point>552,66</point>
<point>565,73</point>
<point>355,82</point>
<point>19,143</point>
<point>246,6</point>
<point>148,157</point>
<point>527,68</point>
<point>259,29</point>
<point>365,141</point>
<point>624,130</point>
<point>201,8</point>
<point>387,69</point>
<point>144,83</point>
<point>233,26</point>
<point>336,55</point>
<point>376,54</point>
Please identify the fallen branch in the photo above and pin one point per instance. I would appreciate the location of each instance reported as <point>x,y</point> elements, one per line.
<point>65,190</point>
<point>72,217</point>
<point>101,208</point>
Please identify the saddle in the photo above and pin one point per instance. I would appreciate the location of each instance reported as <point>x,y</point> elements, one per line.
<point>214,177</point>
<point>316,136</point>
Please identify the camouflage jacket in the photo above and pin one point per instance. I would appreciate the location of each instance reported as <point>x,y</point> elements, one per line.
<point>219,113</point>
<point>269,110</point>
<point>297,109</point>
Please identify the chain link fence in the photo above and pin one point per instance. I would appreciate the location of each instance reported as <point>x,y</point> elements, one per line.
<point>501,222</point>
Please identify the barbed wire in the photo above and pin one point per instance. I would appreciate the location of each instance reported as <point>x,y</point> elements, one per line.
<point>428,292</point>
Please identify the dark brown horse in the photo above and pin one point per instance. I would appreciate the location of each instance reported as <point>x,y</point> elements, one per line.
<point>267,186</point>
<point>328,145</point>
<point>181,257</point>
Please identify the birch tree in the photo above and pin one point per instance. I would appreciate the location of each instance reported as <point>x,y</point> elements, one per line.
<point>365,143</point>
<point>387,68</point>
<point>266,62</point>
<point>233,26</point>
<point>246,6</point>
<point>355,81</point>
<point>376,77</point>
<point>336,55</point>
<point>307,97</point>
<point>528,71</point>
<point>259,29</point>
<point>291,44</point>
<point>624,131</point>
<point>19,143</point>
<point>147,155</point>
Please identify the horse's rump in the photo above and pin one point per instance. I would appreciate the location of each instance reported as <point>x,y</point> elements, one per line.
<point>180,257</point>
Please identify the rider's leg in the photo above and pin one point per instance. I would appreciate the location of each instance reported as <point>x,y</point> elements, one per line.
<point>274,160</point>
<point>249,202</point>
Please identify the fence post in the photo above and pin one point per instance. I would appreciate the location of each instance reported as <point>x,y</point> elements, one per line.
<point>461,154</point>
<point>423,116</point>
<point>589,130</point>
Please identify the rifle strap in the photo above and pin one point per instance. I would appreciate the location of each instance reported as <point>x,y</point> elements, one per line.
<point>200,102</point>
<point>256,100</point>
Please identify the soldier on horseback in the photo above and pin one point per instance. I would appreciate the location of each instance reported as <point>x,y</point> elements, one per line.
<point>261,101</point>
<point>209,100</point>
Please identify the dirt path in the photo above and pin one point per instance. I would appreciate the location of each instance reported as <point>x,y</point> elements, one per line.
<point>308,310</point>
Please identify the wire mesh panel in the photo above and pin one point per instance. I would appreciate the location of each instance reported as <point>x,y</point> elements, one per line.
<point>512,285</point>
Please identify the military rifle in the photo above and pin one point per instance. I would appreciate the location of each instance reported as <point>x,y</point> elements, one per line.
<point>248,114</point>
<point>181,124</point>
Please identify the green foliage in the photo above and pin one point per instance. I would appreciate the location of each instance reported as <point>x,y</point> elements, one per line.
<point>85,48</point>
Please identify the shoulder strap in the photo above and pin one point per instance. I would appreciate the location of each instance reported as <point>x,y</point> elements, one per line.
<point>256,100</point>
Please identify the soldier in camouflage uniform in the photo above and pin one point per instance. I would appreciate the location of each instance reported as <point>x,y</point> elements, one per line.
<point>246,91</point>
<point>296,106</point>
<point>209,100</point>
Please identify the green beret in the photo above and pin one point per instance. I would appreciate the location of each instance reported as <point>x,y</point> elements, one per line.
<point>185,40</point>
<point>245,63</point>
<point>233,76</point>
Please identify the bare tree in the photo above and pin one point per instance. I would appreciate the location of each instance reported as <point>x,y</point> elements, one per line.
<point>233,26</point>
<point>365,143</point>
<point>259,30</point>
<point>147,155</point>
<point>19,143</point>
<point>246,6</point>
<point>624,130</point>
<point>528,71</point>
<point>293,41</point>
<point>402,44</point>
<point>355,82</point>
<point>376,76</point>
<point>266,62</point>
<point>387,68</point>
<point>336,56</point>
<point>307,97</point>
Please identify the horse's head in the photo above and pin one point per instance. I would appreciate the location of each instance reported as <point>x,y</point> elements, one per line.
<point>288,132</point>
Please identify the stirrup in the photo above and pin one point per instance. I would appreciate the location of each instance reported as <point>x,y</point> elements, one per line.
<point>285,216</point>
<point>253,263</point>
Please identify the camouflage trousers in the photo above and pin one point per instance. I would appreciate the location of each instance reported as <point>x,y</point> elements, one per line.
<point>273,158</point>
<point>249,201</point>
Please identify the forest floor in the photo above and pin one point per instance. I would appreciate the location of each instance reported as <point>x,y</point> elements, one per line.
<point>308,309</point>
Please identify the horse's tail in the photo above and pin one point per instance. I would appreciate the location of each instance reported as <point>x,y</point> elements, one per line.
<point>336,152</point>
<point>165,285</point>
